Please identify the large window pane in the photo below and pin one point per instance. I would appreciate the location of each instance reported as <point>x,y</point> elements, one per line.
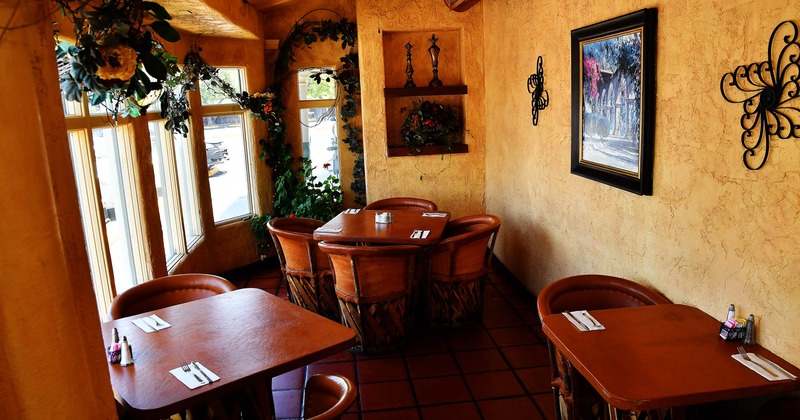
<point>112,193</point>
<point>166,201</point>
<point>227,164</point>
<point>188,189</point>
<point>320,141</point>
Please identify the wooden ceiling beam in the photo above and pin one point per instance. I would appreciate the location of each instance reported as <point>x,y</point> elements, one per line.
<point>460,5</point>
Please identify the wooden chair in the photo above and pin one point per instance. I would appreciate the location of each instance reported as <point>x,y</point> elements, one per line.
<point>327,397</point>
<point>167,291</point>
<point>586,292</point>
<point>456,271</point>
<point>402,203</point>
<point>375,286</point>
<point>306,269</point>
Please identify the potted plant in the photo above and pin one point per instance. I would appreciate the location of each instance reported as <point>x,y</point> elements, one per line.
<point>430,124</point>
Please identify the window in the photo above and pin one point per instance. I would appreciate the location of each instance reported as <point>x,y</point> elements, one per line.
<point>102,158</point>
<point>175,188</point>
<point>319,122</point>
<point>227,151</point>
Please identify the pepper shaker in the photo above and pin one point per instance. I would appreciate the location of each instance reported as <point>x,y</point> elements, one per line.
<point>731,312</point>
<point>750,334</point>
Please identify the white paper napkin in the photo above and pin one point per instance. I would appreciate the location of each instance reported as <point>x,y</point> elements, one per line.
<point>329,230</point>
<point>190,379</point>
<point>430,214</point>
<point>782,375</point>
<point>352,211</point>
<point>420,234</point>
<point>148,324</point>
<point>589,323</point>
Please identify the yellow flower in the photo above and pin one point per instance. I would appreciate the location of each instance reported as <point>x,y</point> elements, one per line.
<point>120,63</point>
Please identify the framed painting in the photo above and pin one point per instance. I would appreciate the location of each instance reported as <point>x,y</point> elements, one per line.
<point>613,101</point>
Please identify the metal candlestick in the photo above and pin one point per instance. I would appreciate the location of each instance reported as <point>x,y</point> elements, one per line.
<point>409,67</point>
<point>434,51</point>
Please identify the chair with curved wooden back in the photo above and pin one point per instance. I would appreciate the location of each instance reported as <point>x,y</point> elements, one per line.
<point>167,291</point>
<point>586,292</point>
<point>375,286</point>
<point>456,270</point>
<point>402,203</point>
<point>328,396</point>
<point>306,269</point>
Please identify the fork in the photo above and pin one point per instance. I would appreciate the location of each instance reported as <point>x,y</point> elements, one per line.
<point>746,357</point>
<point>185,367</point>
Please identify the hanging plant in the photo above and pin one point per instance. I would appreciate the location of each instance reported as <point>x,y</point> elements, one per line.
<point>116,59</point>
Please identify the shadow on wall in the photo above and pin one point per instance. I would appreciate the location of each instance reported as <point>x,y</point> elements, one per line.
<point>528,236</point>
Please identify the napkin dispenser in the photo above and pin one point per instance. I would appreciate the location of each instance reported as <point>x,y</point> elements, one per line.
<point>385,217</point>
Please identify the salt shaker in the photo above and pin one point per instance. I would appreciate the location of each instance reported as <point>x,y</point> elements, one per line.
<point>731,312</point>
<point>750,334</point>
<point>127,357</point>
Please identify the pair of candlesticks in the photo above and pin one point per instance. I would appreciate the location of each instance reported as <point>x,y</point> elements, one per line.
<point>433,50</point>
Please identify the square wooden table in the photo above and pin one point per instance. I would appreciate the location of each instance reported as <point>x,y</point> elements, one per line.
<point>361,227</point>
<point>661,356</point>
<point>246,337</point>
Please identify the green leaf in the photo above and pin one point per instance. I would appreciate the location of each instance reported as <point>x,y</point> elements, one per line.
<point>155,9</point>
<point>165,31</point>
<point>98,98</point>
<point>154,66</point>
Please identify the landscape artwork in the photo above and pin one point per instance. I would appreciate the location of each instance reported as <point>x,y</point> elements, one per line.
<point>613,101</point>
<point>612,94</point>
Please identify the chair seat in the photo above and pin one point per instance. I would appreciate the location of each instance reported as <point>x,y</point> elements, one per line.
<point>328,397</point>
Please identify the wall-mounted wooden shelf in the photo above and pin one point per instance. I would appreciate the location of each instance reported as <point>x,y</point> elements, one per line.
<point>428,150</point>
<point>425,91</point>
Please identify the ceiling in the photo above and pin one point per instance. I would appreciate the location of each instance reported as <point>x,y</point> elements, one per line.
<point>203,17</point>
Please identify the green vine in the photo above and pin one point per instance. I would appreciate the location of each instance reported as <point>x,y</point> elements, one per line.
<point>303,35</point>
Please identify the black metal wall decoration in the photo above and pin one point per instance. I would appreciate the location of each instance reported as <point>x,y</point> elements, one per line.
<point>539,97</point>
<point>769,92</point>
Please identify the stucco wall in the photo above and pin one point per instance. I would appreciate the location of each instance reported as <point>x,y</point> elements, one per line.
<point>454,181</point>
<point>713,232</point>
<point>51,345</point>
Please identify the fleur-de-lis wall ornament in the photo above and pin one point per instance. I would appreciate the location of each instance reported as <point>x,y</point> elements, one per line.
<point>539,97</point>
<point>769,92</point>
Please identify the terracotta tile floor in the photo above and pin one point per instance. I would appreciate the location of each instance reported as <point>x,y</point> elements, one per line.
<point>498,369</point>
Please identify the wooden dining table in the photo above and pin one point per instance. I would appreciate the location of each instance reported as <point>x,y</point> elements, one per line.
<point>661,356</point>
<point>246,337</point>
<point>362,227</point>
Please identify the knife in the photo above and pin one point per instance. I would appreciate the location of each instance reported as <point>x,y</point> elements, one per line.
<point>208,378</point>
<point>583,327</point>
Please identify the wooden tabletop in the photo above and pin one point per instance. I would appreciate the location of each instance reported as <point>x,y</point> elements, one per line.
<point>661,356</point>
<point>244,336</point>
<point>361,227</point>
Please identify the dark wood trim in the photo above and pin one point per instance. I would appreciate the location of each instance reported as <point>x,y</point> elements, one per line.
<point>425,91</point>
<point>460,5</point>
<point>427,150</point>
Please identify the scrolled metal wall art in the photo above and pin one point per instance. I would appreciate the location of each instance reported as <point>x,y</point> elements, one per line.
<point>769,93</point>
<point>539,97</point>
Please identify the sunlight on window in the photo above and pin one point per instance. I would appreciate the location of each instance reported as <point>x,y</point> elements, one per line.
<point>320,141</point>
<point>309,89</point>
<point>227,165</point>
<point>210,95</point>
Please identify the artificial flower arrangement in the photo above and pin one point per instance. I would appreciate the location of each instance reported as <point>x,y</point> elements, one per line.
<point>117,58</point>
<point>430,124</point>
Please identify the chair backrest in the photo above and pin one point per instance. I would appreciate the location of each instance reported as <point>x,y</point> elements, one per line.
<point>402,203</point>
<point>327,397</point>
<point>366,274</point>
<point>167,291</point>
<point>595,291</point>
<point>297,250</point>
<point>467,247</point>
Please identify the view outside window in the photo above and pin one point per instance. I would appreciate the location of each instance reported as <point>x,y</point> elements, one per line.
<point>211,96</point>
<point>227,165</point>
<point>187,186</point>
<point>109,167</point>
<point>167,201</point>
<point>319,125</point>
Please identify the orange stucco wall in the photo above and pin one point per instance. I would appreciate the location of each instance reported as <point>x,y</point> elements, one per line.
<point>454,181</point>
<point>51,344</point>
<point>713,232</point>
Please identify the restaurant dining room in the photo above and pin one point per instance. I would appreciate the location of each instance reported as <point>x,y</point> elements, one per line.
<point>394,209</point>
